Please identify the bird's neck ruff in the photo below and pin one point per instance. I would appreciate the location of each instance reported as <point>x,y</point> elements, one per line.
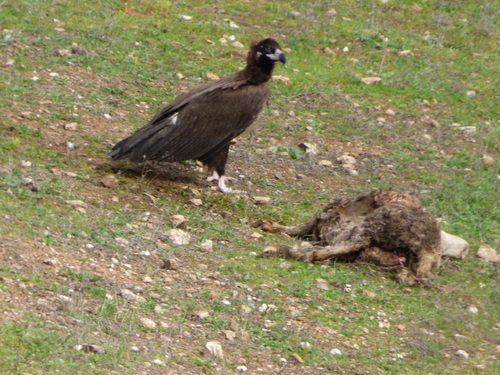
<point>256,74</point>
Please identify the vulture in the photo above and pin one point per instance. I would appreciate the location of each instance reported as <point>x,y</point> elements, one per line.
<point>201,123</point>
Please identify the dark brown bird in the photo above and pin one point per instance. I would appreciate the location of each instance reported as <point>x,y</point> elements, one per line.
<point>201,123</point>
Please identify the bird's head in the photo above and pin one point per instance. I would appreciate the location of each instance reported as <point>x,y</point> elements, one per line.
<point>266,53</point>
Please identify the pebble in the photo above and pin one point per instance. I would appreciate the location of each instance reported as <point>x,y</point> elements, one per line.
<point>282,79</point>
<point>371,80</point>
<point>261,200</point>
<point>488,254</point>
<point>325,163</point>
<point>241,369</point>
<point>71,126</point>
<point>148,323</point>
<point>471,94</point>
<point>179,221</point>
<point>462,353</point>
<point>207,246</point>
<point>214,348</point>
<point>110,181</point>
<point>335,352</point>
<point>473,309</point>
<point>179,236</point>
<point>135,349</point>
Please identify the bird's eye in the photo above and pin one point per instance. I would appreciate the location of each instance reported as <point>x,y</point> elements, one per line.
<point>267,49</point>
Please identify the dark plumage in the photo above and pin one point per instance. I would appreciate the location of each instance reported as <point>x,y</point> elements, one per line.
<point>201,123</point>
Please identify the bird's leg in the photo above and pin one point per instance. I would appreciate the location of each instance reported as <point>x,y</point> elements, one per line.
<point>213,177</point>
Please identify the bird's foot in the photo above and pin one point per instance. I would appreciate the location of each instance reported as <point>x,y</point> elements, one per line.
<point>222,185</point>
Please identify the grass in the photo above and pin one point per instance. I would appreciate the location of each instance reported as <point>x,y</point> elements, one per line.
<point>406,132</point>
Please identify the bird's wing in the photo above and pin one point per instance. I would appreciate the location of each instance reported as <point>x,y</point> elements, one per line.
<point>197,123</point>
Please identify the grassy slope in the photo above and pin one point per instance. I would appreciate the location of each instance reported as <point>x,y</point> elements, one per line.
<point>134,50</point>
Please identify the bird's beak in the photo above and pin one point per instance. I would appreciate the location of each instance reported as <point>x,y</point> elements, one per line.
<point>278,56</point>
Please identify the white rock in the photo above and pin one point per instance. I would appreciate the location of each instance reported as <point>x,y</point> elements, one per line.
<point>282,79</point>
<point>241,369</point>
<point>214,348</point>
<point>486,159</point>
<point>148,323</point>
<point>195,202</point>
<point>462,353</point>
<point>135,349</point>
<point>179,236</point>
<point>207,246</point>
<point>238,45</point>
<point>473,309</point>
<point>107,116</point>
<point>471,94</point>
<point>390,112</point>
<point>232,25</point>
<point>127,294</point>
<point>335,352</point>
<point>453,246</point>
<point>488,254</point>
<point>325,163</point>
<point>186,18</point>
<point>347,159</point>
<point>371,80</point>
<point>158,362</point>
<point>468,129</point>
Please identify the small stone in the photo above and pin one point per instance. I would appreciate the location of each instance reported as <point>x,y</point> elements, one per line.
<point>462,353</point>
<point>238,45</point>
<point>328,51</point>
<point>51,262</point>
<point>488,254</point>
<point>261,200</point>
<point>63,52</point>
<point>107,116</point>
<point>345,49</point>
<point>325,163</point>
<point>473,309</point>
<point>212,77</point>
<point>214,348</point>
<point>369,293</point>
<point>331,12</point>
<point>335,351</point>
<point>405,52</point>
<point>148,323</point>
<point>471,94</point>
<point>282,79</point>
<point>241,368</point>
<point>488,160</point>
<point>110,181</point>
<point>54,74</point>
<point>71,126</point>
<point>76,203</point>
<point>179,236</point>
<point>170,264</point>
<point>230,335</point>
<point>195,202</point>
<point>158,362</point>
<point>305,345</point>
<point>371,80</point>
<point>347,159</point>
<point>135,349</point>
<point>390,112</point>
<point>179,221</point>
<point>9,62</point>
<point>207,246</point>
<point>322,284</point>
<point>470,130</point>
<point>309,148</point>
<point>25,163</point>
<point>147,279</point>
<point>201,314</point>
<point>186,18</point>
